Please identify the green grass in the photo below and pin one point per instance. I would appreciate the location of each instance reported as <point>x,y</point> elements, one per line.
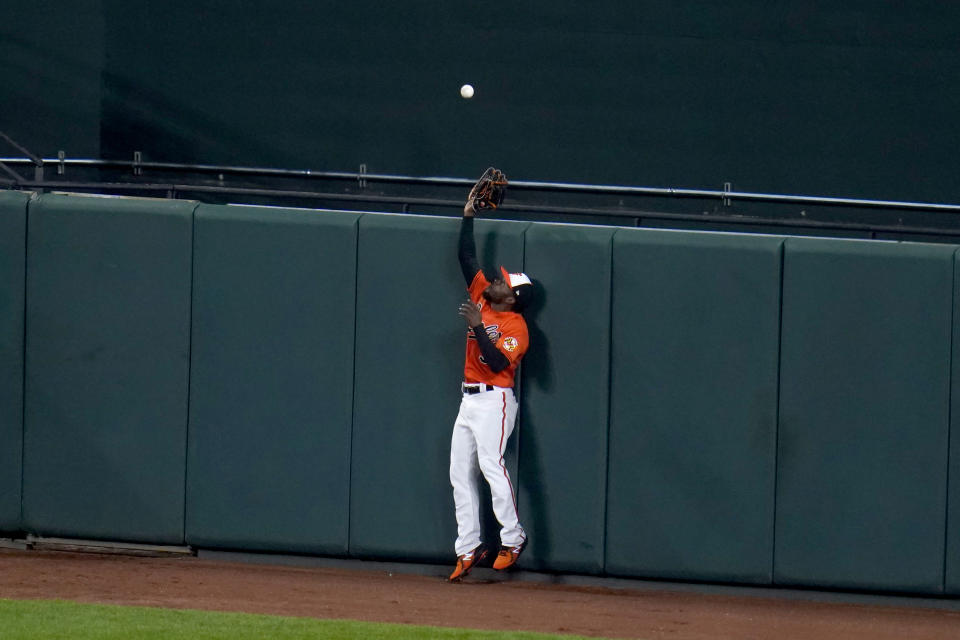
<point>58,619</point>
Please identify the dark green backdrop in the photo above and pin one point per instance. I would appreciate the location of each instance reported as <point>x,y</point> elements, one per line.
<point>53,56</point>
<point>828,98</point>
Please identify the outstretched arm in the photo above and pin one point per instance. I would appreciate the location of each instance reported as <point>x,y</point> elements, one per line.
<point>467,251</point>
<point>486,194</point>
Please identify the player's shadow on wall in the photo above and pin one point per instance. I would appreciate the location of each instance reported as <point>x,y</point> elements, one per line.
<point>537,373</point>
<point>537,364</point>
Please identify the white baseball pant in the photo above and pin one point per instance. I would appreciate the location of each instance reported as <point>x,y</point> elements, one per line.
<point>480,433</point>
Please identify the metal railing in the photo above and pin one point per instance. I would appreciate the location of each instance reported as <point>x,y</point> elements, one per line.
<point>631,205</point>
<point>137,167</point>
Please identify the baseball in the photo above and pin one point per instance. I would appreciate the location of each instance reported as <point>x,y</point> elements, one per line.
<point>466,91</point>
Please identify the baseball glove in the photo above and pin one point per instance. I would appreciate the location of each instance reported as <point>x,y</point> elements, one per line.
<point>489,190</point>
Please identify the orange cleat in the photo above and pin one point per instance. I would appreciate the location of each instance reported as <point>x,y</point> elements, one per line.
<point>466,562</point>
<point>508,556</point>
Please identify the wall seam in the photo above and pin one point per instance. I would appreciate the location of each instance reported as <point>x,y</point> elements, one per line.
<point>518,390</point>
<point>946,519</point>
<point>23,361</point>
<point>186,439</point>
<point>606,453</point>
<point>776,420</point>
<point>353,386</point>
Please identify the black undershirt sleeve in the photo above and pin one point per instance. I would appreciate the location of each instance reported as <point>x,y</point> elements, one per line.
<point>492,356</point>
<point>467,251</point>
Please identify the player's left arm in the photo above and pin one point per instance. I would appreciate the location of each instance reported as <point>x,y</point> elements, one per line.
<point>466,248</point>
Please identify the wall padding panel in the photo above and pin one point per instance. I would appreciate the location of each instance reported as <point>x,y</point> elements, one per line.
<point>409,366</point>
<point>693,406</point>
<point>864,415</point>
<point>107,353</point>
<point>13,229</point>
<point>271,386</point>
<point>565,399</point>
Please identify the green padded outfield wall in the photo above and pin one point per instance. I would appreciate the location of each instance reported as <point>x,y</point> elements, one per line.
<point>13,233</point>
<point>695,328</point>
<point>271,385</point>
<point>107,356</point>
<point>409,366</point>
<point>565,398</point>
<point>864,415</point>
<point>952,565</point>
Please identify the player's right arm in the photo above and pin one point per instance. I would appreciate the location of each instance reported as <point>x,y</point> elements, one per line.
<point>467,250</point>
<point>493,357</point>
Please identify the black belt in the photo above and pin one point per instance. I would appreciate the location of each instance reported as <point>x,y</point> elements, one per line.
<point>471,389</point>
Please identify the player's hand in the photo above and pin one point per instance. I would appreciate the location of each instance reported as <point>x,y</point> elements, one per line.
<point>470,313</point>
<point>487,193</point>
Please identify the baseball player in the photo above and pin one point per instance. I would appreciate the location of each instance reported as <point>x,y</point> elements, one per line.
<point>497,338</point>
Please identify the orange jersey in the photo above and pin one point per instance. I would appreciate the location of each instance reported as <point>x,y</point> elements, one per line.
<point>508,333</point>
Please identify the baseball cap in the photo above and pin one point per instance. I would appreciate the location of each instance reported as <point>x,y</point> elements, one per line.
<point>522,287</point>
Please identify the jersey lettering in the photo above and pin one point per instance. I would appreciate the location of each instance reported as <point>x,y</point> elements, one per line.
<point>493,332</point>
